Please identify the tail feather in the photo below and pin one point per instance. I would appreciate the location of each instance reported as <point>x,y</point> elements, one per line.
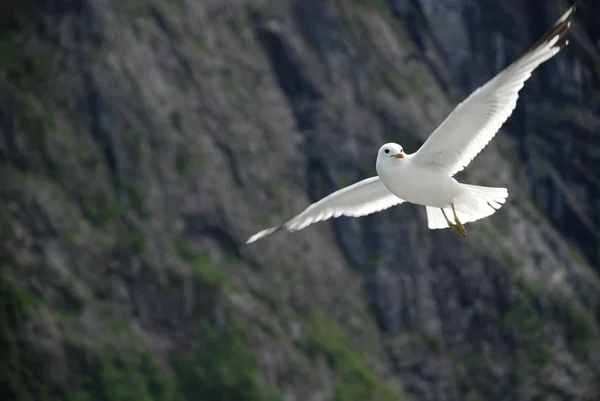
<point>480,202</point>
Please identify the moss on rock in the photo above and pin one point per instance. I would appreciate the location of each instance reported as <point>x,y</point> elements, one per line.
<point>354,379</point>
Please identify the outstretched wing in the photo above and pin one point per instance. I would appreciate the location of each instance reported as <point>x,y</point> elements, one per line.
<point>365,197</point>
<point>475,121</point>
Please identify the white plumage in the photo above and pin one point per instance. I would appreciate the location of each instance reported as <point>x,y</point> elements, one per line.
<point>475,121</point>
<point>365,197</point>
<point>426,176</point>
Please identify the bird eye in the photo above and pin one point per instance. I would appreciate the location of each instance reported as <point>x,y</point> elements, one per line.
<point>386,150</point>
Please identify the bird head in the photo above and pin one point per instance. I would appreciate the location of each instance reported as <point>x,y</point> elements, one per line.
<point>390,151</point>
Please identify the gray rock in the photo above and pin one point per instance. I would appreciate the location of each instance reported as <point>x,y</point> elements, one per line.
<point>143,142</point>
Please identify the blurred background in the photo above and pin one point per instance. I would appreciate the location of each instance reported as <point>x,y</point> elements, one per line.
<point>142,143</point>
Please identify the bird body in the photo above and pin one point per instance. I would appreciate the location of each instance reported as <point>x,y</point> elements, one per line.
<point>430,186</point>
<point>410,182</point>
<point>426,176</point>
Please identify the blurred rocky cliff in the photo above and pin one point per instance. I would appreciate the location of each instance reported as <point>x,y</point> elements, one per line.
<point>142,142</point>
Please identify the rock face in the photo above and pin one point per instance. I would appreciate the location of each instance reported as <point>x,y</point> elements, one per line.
<point>143,142</point>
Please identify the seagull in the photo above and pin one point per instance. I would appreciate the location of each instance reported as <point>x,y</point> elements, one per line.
<point>426,176</point>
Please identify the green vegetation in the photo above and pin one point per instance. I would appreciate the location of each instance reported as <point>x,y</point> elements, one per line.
<point>134,142</point>
<point>97,208</point>
<point>203,269</point>
<point>199,46</point>
<point>354,379</point>
<point>17,380</point>
<point>578,322</point>
<point>579,327</point>
<point>137,377</point>
<point>24,85</point>
<point>578,256</point>
<point>185,162</point>
<point>22,69</point>
<point>134,241</point>
<point>530,326</point>
<point>432,342</point>
<point>394,84</point>
<point>222,367</point>
<point>135,196</point>
<point>182,162</point>
<point>380,6</point>
<point>177,121</point>
<point>465,367</point>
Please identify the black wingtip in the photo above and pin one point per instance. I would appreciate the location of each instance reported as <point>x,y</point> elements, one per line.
<point>560,28</point>
<point>563,44</point>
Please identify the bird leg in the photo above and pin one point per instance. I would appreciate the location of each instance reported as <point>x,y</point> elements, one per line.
<point>458,226</point>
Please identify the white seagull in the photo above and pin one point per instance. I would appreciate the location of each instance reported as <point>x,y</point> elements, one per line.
<point>426,176</point>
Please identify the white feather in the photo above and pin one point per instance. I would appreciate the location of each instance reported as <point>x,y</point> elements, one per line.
<point>476,120</point>
<point>365,197</point>
<point>425,177</point>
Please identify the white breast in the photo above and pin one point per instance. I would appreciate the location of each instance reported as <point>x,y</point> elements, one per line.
<point>418,185</point>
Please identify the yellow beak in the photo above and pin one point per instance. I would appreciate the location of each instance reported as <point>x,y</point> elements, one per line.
<point>399,156</point>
